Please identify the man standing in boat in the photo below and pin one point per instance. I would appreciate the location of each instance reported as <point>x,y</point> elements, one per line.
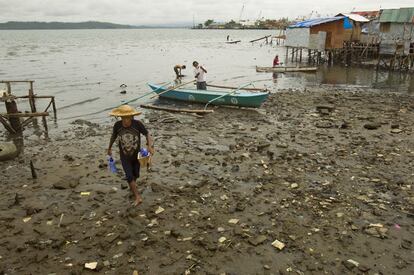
<point>200,75</point>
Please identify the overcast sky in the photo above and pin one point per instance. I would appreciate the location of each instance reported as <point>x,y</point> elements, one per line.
<point>173,11</point>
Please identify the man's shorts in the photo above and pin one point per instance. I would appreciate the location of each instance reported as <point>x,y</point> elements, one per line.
<point>131,168</point>
<point>201,85</point>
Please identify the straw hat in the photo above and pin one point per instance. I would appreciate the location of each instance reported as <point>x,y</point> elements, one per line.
<point>124,110</point>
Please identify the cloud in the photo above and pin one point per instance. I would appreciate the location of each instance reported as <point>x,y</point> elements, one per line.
<point>170,11</point>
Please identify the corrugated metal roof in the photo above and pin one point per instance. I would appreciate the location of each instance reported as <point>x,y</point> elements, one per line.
<point>314,22</point>
<point>402,15</point>
<point>355,17</point>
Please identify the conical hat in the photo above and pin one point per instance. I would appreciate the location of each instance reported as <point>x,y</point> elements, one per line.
<point>124,110</point>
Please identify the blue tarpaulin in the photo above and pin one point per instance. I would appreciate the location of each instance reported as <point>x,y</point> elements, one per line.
<point>347,24</point>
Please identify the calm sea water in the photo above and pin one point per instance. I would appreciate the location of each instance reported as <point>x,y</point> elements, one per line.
<point>77,65</point>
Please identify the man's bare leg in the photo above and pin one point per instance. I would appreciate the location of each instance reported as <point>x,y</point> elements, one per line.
<point>133,187</point>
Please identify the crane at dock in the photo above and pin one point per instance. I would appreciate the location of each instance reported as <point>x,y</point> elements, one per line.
<point>241,13</point>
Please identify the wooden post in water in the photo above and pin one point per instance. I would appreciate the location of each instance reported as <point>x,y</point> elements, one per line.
<point>31,98</point>
<point>54,107</point>
<point>287,55</point>
<point>11,108</point>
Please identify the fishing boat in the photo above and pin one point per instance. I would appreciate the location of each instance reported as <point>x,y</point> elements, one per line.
<point>235,97</point>
<point>283,69</point>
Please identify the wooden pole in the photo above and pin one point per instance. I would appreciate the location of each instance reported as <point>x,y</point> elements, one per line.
<point>33,170</point>
<point>31,98</point>
<point>54,108</point>
<point>12,111</point>
<point>7,125</point>
<point>45,124</point>
<point>176,110</point>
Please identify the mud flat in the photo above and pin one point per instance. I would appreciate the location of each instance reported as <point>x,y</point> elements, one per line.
<point>316,182</point>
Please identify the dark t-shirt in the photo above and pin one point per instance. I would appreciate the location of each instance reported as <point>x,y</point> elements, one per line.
<point>129,138</point>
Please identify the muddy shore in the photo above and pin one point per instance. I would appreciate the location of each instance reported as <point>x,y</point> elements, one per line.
<point>327,173</point>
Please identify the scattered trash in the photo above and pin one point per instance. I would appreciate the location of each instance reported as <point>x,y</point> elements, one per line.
<point>91,266</point>
<point>222,239</point>
<point>294,185</point>
<point>60,220</point>
<point>224,197</point>
<point>85,193</point>
<point>27,219</point>
<point>233,221</point>
<point>159,210</point>
<point>278,244</point>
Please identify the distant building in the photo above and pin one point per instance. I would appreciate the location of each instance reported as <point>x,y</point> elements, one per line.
<point>216,25</point>
<point>397,31</point>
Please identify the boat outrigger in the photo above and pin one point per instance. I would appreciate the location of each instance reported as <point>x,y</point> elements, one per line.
<point>236,97</point>
<point>283,69</point>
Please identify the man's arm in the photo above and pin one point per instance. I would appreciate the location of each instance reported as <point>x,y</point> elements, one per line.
<point>112,140</point>
<point>203,69</point>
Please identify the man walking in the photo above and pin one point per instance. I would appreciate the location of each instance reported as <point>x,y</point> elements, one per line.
<point>129,130</point>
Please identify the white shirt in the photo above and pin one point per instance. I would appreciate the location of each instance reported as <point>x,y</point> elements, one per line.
<point>202,75</point>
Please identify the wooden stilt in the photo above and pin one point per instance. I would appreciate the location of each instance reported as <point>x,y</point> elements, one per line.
<point>31,98</point>
<point>11,108</point>
<point>33,170</point>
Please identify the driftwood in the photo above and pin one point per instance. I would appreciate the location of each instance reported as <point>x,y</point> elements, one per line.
<point>261,38</point>
<point>176,110</point>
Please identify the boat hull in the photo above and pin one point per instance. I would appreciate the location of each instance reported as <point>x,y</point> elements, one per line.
<point>283,69</point>
<point>240,99</point>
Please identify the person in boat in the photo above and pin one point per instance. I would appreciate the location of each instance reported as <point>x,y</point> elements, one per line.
<point>200,75</point>
<point>178,69</point>
<point>276,61</point>
<point>128,131</point>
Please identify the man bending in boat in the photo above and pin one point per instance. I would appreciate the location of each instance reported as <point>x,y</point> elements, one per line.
<point>129,131</point>
<point>177,70</point>
<point>200,75</point>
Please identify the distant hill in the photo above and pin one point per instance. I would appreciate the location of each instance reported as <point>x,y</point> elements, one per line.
<point>14,25</point>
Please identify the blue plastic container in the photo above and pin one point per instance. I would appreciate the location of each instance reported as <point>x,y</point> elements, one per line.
<point>144,152</point>
<point>111,164</point>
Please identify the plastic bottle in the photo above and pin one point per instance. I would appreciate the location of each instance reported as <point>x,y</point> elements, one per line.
<point>111,164</point>
<point>143,152</point>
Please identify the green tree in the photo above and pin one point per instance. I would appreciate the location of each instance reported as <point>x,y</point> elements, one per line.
<point>208,22</point>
